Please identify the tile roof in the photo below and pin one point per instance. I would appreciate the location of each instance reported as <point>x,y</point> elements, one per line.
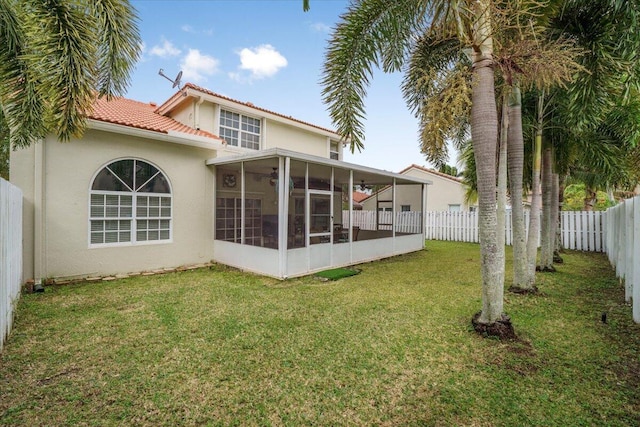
<point>435,172</point>
<point>140,115</point>
<point>358,196</point>
<point>246,104</point>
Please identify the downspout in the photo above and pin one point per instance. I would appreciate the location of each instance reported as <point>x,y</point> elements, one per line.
<point>197,112</point>
<point>39,216</point>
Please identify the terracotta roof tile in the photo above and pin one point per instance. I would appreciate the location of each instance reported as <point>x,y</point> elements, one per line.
<point>140,115</point>
<point>246,104</point>
<point>358,196</point>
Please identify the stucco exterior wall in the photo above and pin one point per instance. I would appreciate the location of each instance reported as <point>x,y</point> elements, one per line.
<point>406,195</point>
<point>440,195</point>
<point>68,172</point>
<point>443,192</point>
<point>22,175</point>
<point>289,138</point>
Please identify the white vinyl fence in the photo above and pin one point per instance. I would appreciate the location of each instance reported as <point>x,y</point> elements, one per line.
<point>622,244</point>
<point>406,222</point>
<point>581,231</point>
<point>10,254</point>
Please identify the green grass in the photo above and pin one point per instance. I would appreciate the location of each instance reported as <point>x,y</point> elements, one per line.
<point>337,273</point>
<point>390,346</point>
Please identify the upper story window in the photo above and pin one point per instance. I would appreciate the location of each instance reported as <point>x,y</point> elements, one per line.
<point>240,130</point>
<point>130,203</point>
<point>334,150</point>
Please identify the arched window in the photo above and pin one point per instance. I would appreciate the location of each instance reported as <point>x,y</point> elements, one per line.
<point>130,203</point>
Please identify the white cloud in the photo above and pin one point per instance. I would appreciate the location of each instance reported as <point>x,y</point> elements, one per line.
<point>195,66</point>
<point>262,61</point>
<point>189,29</point>
<point>321,27</point>
<point>166,50</point>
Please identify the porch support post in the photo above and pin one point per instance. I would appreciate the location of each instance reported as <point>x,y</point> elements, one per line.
<point>242,197</point>
<point>393,211</point>
<point>350,215</point>
<point>424,213</point>
<point>283,211</point>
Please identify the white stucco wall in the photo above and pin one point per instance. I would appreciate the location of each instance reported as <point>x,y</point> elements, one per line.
<point>68,171</point>
<point>279,135</point>
<point>442,193</point>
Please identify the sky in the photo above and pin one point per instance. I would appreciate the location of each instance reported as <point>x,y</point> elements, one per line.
<point>269,53</point>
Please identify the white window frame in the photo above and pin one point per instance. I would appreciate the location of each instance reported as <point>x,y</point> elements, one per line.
<point>402,208</point>
<point>334,154</point>
<point>134,219</point>
<point>241,133</point>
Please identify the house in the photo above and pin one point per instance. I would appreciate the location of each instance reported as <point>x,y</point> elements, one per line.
<point>200,178</point>
<point>447,193</point>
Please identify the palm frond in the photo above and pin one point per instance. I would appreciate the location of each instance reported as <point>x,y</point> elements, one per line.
<point>22,105</point>
<point>372,33</point>
<point>118,45</point>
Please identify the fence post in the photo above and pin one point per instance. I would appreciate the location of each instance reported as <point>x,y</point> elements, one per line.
<point>10,255</point>
<point>635,279</point>
<point>628,263</point>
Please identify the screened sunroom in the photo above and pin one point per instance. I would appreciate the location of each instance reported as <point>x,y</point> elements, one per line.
<point>284,214</point>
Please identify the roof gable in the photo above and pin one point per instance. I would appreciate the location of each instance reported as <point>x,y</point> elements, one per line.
<point>430,172</point>
<point>140,115</point>
<point>180,96</point>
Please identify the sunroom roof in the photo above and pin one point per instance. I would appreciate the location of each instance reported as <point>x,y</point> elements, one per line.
<point>294,155</point>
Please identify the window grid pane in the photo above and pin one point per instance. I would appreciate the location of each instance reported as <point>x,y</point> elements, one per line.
<point>239,130</point>
<point>112,212</point>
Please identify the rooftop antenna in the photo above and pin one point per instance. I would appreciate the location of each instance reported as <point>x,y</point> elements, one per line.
<point>176,81</point>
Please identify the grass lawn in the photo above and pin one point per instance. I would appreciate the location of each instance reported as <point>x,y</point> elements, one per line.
<point>390,346</point>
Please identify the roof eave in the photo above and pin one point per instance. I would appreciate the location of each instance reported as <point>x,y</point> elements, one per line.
<point>273,152</point>
<point>171,136</point>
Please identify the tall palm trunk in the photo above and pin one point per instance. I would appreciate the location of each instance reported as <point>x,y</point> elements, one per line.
<point>558,247</point>
<point>502,175</point>
<point>536,201</point>
<point>484,133</point>
<point>546,241</point>
<point>590,198</point>
<point>516,167</point>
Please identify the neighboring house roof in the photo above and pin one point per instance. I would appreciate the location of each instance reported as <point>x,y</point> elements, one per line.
<point>140,115</point>
<point>358,196</point>
<point>431,171</point>
<point>169,104</point>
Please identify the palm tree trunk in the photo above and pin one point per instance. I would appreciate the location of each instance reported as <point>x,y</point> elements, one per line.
<point>484,134</point>
<point>556,252</point>
<point>590,198</point>
<point>516,166</point>
<point>502,175</point>
<point>546,243</point>
<point>536,201</point>
<point>555,215</point>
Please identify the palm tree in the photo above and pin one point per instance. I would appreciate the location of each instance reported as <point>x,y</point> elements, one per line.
<point>384,33</point>
<point>56,56</point>
<point>580,112</point>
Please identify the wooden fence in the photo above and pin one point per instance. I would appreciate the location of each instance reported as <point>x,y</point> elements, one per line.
<point>622,243</point>
<point>10,255</point>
